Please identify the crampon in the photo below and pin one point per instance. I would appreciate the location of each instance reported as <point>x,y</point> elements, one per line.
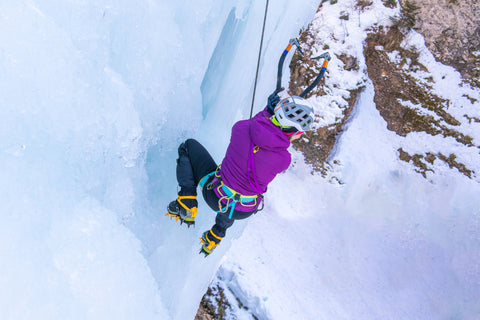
<point>209,242</point>
<point>179,211</point>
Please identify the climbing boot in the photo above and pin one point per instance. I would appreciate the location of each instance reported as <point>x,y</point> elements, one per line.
<point>209,241</point>
<point>183,209</point>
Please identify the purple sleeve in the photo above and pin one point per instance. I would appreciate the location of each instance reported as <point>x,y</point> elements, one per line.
<point>264,113</point>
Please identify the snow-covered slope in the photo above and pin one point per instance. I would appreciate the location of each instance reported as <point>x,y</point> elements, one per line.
<point>386,243</point>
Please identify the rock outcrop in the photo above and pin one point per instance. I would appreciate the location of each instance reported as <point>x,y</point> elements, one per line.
<point>452,33</point>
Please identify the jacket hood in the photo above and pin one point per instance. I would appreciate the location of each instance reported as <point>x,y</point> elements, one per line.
<point>267,135</point>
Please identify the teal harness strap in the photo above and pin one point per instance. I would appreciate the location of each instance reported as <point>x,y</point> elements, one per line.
<point>234,203</point>
<point>231,196</point>
<point>205,179</point>
<point>231,202</point>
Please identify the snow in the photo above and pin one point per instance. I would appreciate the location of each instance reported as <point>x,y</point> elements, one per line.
<point>96,97</point>
<point>385,243</point>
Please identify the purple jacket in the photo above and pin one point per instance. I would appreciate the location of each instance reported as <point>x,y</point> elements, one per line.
<point>249,172</point>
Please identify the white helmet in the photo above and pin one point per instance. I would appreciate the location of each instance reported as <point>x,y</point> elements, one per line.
<point>294,111</point>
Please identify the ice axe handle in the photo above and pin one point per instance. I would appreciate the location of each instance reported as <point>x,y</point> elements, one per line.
<point>291,43</point>
<point>327,58</point>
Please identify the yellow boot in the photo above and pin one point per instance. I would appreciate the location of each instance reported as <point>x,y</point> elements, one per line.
<point>209,242</point>
<point>184,208</point>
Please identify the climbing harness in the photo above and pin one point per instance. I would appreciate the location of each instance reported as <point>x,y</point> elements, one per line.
<point>229,197</point>
<point>259,56</point>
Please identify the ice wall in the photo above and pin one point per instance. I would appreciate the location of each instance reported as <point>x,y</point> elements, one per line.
<point>226,91</point>
<point>95,98</point>
<point>71,140</point>
<point>373,239</point>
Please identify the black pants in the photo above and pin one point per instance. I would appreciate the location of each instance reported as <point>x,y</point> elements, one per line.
<point>193,163</point>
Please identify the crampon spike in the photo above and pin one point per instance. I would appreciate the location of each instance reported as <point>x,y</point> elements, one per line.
<point>202,242</point>
<point>188,223</point>
<point>204,252</point>
<point>171,215</point>
<point>177,217</point>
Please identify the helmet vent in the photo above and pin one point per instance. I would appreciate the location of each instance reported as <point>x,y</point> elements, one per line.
<point>294,112</point>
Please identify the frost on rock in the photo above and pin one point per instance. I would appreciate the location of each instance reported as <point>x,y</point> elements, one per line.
<point>410,95</point>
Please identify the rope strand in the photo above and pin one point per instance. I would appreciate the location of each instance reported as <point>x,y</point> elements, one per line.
<point>258,62</point>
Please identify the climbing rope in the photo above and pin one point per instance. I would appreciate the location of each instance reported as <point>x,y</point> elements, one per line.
<point>258,62</point>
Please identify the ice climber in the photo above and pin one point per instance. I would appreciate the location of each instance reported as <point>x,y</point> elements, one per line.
<point>256,154</point>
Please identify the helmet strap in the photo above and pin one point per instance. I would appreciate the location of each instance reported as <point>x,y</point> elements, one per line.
<point>275,122</point>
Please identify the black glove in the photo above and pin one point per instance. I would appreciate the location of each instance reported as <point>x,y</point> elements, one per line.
<point>273,100</point>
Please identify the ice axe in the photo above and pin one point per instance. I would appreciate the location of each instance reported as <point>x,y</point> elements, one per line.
<point>291,43</point>
<point>326,57</point>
